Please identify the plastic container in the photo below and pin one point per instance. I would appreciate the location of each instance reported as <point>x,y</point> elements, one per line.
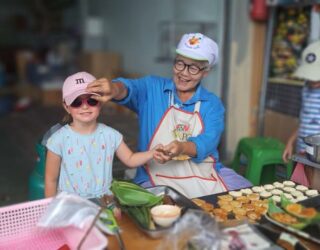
<point>313,147</point>
<point>18,230</point>
<point>165,215</point>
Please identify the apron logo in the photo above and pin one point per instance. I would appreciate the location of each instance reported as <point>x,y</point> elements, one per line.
<point>182,132</point>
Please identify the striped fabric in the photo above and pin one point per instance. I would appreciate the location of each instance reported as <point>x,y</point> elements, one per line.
<point>309,116</point>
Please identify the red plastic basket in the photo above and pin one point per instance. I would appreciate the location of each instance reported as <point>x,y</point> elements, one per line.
<point>18,230</point>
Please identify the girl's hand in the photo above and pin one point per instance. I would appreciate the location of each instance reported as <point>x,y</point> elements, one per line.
<point>160,155</point>
<point>157,147</point>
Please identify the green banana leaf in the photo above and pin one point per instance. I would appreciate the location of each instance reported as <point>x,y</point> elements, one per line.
<point>141,215</point>
<point>273,208</point>
<point>285,202</point>
<point>130,194</point>
<point>129,197</point>
<point>128,184</point>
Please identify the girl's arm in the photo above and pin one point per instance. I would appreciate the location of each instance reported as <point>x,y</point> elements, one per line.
<point>53,162</point>
<point>131,159</point>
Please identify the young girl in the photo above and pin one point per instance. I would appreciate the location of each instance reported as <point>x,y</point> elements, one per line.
<point>80,154</point>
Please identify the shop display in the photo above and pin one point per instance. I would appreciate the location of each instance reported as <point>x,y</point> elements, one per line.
<point>290,36</point>
<point>252,203</point>
<point>142,206</point>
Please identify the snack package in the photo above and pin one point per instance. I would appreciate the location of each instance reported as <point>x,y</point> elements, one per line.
<point>68,210</point>
<point>195,230</point>
<point>243,236</point>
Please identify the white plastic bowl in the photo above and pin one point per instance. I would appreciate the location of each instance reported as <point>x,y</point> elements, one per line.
<point>165,215</point>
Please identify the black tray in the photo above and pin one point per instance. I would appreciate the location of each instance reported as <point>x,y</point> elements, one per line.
<point>311,232</point>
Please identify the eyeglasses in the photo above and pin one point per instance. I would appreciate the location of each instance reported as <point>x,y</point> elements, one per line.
<point>192,69</point>
<point>77,103</point>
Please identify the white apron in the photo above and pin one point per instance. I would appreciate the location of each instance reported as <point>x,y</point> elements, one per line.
<point>189,178</point>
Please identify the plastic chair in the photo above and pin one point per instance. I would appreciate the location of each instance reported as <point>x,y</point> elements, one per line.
<point>262,154</point>
<point>36,179</point>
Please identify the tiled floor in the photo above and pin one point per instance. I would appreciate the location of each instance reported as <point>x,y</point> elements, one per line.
<point>19,133</point>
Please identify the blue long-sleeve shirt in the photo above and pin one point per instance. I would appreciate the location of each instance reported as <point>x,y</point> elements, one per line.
<point>149,98</point>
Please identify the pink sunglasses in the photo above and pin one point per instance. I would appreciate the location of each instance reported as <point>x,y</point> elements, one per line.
<point>77,103</point>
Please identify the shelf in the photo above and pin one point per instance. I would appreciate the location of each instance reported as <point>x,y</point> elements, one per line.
<point>287,81</point>
<point>304,160</point>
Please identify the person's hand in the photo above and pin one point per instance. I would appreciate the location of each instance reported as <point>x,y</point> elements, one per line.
<point>287,153</point>
<point>166,153</point>
<point>174,148</point>
<point>103,87</point>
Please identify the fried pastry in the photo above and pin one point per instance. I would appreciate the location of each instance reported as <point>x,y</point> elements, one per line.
<point>181,158</point>
<point>284,218</point>
<point>235,193</point>
<point>226,197</point>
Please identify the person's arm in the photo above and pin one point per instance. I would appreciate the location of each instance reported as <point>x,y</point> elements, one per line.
<point>207,142</point>
<point>201,146</point>
<point>287,153</point>
<point>53,162</point>
<point>131,159</point>
<point>178,148</point>
<point>107,90</point>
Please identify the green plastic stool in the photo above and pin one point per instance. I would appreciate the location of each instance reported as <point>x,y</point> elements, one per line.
<point>36,186</point>
<point>36,179</point>
<point>263,154</point>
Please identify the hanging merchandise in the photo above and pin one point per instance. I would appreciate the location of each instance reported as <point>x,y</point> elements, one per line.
<point>289,38</point>
<point>259,10</point>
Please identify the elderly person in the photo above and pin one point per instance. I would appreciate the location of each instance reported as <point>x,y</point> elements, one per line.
<point>182,115</point>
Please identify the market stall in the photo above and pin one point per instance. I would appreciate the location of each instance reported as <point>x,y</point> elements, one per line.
<point>290,28</point>
<point>131,232</point>
<point>233,210</point>
<point>261,217</point>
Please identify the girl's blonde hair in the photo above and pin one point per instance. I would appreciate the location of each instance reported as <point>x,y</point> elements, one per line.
<point>67,119</point>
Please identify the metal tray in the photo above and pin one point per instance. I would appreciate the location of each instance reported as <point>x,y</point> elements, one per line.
<point>311,232</point>
<point>303,159</point>
<point>179,200</point>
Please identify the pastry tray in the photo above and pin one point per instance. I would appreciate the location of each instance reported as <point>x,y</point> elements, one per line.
<point>179,199</point>
<point>311,232</point>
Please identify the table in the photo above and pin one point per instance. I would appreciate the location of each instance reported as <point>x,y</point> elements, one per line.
<point>135,239</point>
<point>132,236</point>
